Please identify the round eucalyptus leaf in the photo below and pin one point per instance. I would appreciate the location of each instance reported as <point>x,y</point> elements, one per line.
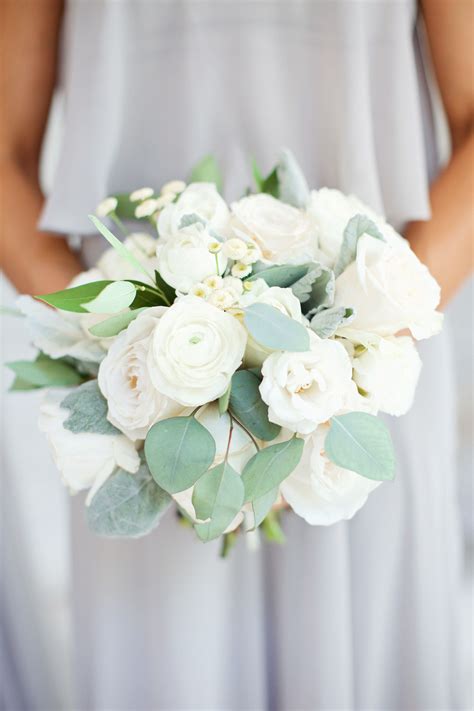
<point>218,496</point>
<point>269,467</point>
<point>275,330</point>
<point>178,451</point>
<point>362,443</point>
<point>247,405</point>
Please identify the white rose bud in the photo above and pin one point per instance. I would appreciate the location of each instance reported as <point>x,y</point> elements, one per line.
<point>196,349</point>
<point>201,199</point>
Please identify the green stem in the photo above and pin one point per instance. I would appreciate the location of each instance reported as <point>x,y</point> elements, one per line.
<point>237,422</point>
<point>217,264</point>
<point>114,217</point>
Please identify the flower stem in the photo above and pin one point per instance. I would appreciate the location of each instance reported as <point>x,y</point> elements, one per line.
<point>114,217</point>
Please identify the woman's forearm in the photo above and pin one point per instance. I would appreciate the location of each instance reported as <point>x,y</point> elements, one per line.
<point>445,243</point>
<point>35,262</point>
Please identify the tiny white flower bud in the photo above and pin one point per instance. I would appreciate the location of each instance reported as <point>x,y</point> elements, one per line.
<point>201,290</point>
<point>252,254</point>
<point>234,248</point>
<point>214,247</point>
<point>222,298</point>
<point>234,284</point>
<point>174,186</point>
<point>141,194</point>
<point>248,285</point>
<point>241,270</point>
<point>213,282</point>
<point>146,208</point>
<point>164,200</point>
<point>105,207</point>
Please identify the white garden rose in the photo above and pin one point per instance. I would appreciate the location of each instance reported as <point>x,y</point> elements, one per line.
<point>241,449</point>
<point>85,460</point>
<point>201,199</point>
<point>386,370</point>
<point>195,350</point>
<point>184,259</point>
<point>143,246</point>
<point>134,404</point>
<point>282,299</point>
<point>282,232</point>
<point>330,211</point>
<point>304,389</point>
<point>390,290</point>
<point>321,492</point>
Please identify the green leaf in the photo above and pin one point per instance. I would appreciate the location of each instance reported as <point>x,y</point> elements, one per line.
<point>362,443</point>
<point>146,296</point>
<point>283,275</point>
<point>271,528</point>
<point>248,407</point>
<point>223,402</point>
<point>293,188</point>
<point>125,209</point>
<point>127,505</point>
<point>228,542</point>
<point>115,324</point>
<point>45,372</point>
<point>325,323</point>
<point>270,466</point>
<point>263,505</point>
<point>275,330</point>
<point>316,289</point>
<point>74,298</point>
<point>257,176</point>
<point>207,171</point>
<point>167,290</point>
<point>88,410</point>
<point>270,184</point>
<point>19,385</point>
<point>178,451</point>
<point>115,297</point>
<point>356,227</point>
<point>118,246</point>
<point>218,495</point>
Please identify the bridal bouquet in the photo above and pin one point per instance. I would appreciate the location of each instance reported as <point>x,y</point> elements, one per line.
<point>233,362</point>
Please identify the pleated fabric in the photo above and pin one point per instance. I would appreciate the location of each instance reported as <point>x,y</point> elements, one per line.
<point>361,615</point>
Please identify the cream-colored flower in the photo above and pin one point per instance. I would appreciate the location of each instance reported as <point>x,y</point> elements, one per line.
<point>146,208</point>
<point>141,194</point>
<point>222,298</point>
<point>174,187</point>
<point>201,290</point>
<point>105,207</point>
<point>241,270</point>
<point>142,245</point>
<point>164,200</point>
<point>201,199</point>
<point>235,248</point>
<point>214,281</point>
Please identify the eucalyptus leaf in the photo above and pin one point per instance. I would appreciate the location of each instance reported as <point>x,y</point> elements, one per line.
<point>293,188</point>
<point>268,184</point>
<point>115,324</point>
<point>275,330</point>
<point>44,372</point>
<point>356,227</point>
<point>362,443</point>
<point>248,407</point>
<point>270,466</point>
<point>114,298</point>
<point>118,246</point>
<point>325,323</point>
<point>20,385</point>
<point>218,495</point>
<point>263,505</point>
<point>73,299</point>
<point>283,275</point>
<point>88,410</point>
<point>127,505</point>
<point>207,171</point>
<point>178,452</point>
<point>223,402</point>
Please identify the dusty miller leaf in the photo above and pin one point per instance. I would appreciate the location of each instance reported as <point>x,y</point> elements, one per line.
<point>88,410</point>
<point>326,322</point>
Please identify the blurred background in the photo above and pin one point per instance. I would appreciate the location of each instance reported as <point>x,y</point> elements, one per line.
<point>35,559</point>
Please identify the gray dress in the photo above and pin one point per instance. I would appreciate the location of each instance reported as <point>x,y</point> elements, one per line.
<point>361,615</point>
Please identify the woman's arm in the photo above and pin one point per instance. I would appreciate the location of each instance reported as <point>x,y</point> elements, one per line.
<point>34,261</point>
<point>445,243</point>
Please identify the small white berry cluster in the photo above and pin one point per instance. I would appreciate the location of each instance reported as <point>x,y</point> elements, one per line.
<point>150,206</point>
<point>242,253</point>
<point>223,292</point>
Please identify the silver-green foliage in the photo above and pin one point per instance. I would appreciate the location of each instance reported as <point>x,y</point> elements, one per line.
<point>88,410</point>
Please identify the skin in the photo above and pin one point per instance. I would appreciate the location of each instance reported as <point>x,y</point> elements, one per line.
<point>44,263</point>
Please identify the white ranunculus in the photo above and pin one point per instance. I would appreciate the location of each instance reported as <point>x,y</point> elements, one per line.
<point>282,299</point>
<point>143,247</point>
<point>184,259</point>
<point>85,460</point>
<point>240,451</point>
<point>390,290</point>
<point>282,232</point>
<point>201,199</point>
<point>386,369</point>
<point>321,492</point>
<point>330,211</point>
<point>134,405</point>
<point>195,350</point>
<point>304,389</point>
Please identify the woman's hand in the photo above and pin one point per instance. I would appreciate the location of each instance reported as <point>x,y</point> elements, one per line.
<point>445,243</point>
<point>35,262</point>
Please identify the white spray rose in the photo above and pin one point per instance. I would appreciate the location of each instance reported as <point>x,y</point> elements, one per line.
<point>386,369</point>
<point>85,460</point>
<point>134,404</point>
<point>201,199</point>
<point>282,299</point>
<point>240,451</point>
<point>195,350</point>
<point>184,259</point>
<point>304,389</point>
<point>142,246</point>
<point>390,290</point>
<point>321,492</point>
<point>282,232</point>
